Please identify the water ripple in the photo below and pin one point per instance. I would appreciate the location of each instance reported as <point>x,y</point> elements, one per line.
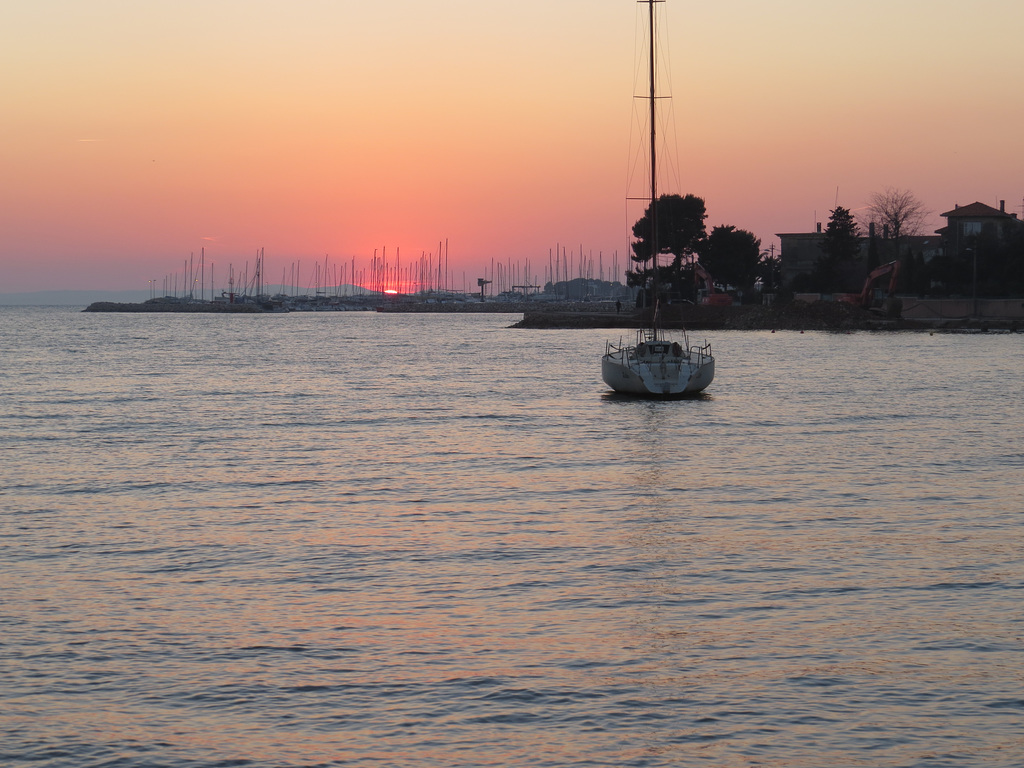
<point>223,544</point>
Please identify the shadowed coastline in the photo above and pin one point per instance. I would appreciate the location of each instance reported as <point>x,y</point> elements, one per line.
<point>794,316</point>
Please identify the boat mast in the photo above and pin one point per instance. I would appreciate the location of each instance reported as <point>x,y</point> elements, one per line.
<point>654,154</point>
<point>654,172</point>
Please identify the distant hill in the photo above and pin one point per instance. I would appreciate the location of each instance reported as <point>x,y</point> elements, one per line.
<point>69,298</point>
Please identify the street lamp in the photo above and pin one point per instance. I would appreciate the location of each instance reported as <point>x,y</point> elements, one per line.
<point>974,281</point>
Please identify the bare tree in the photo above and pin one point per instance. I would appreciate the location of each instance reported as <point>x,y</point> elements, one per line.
<point>897,212</point>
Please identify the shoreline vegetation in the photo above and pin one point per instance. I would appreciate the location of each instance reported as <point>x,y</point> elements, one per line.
<point>793,316</point>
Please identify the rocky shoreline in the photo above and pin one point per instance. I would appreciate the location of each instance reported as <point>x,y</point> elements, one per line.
<point>792,316</point>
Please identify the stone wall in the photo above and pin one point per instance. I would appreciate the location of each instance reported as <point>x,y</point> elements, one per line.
<point>952,309</point>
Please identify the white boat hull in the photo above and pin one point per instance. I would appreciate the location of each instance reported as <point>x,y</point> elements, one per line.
<point>635,371</point>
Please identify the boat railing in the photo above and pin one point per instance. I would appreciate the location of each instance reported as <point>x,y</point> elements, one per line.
<point>700,353</point>
<point>646,335</point>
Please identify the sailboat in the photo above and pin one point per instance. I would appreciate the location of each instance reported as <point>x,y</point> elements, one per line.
<point>656,365</point>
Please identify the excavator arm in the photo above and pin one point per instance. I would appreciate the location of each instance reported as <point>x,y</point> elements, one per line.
<point>892,269</point>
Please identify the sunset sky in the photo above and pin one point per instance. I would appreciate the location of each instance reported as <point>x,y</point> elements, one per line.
<point>135,133</point>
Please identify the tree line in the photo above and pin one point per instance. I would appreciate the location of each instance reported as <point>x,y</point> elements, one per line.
<point>990,261</point>
<point>732,256</point>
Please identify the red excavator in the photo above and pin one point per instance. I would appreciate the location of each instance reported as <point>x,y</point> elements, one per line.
<point>864,298</point>
<point>712,297</point>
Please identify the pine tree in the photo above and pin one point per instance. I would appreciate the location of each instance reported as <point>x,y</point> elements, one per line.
<point>841,246</point>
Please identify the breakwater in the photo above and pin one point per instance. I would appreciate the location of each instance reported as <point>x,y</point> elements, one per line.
<point>797,315</point>
<point>792,316</point>
<point>158,306</point>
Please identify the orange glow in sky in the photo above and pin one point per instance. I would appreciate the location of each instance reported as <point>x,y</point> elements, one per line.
<point>135,134</point>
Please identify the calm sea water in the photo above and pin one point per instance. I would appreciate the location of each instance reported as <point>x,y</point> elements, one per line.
<point>379,540</point>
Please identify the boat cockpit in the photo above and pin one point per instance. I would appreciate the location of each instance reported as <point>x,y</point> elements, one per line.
<point>658,349</point>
